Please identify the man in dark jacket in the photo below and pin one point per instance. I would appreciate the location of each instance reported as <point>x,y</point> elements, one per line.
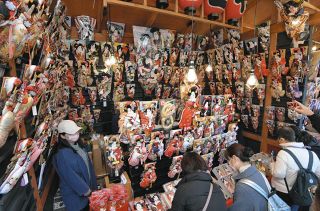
<point>193,190</point>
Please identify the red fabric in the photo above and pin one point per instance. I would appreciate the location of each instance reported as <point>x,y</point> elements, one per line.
<point>188,114</point>
<point>233,9</point>
<point>229,202</point>
<point>214,8</point>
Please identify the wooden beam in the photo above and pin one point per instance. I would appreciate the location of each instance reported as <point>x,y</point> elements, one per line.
<point>279,27</point>
<point>13,69</point>
<point>151,20</point>
<point>35,189</point>
<point>272,142</point>
<point>251,4</point>
<point>168,12</point>
<point>176,6</point>
<point>268,98</point>
<point>46,190</point>
<point>252,136</point>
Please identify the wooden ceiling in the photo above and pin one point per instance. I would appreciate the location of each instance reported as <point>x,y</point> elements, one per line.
<point>258,11</point>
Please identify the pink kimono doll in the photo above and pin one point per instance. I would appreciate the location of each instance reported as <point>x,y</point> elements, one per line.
<point>139,153</point>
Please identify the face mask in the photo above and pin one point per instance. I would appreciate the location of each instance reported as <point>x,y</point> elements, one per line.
<point>72,138</point>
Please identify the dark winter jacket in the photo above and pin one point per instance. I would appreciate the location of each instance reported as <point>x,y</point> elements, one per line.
<point>245,198</point>
<point>315,121</point>
<point>192,193</point>
<point>74,178</point>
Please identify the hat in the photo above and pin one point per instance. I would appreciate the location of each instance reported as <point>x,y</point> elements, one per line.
<point>68,126</point>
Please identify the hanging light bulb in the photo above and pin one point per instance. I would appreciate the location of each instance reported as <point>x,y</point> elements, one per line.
<point>191,75</point>
<point>111,60</point>
<point>209,68</point>
<point>314,48</point>
<point>252,81</point>
<point>295,22</point>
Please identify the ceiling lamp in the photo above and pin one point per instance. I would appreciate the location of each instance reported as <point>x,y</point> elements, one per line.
<point>192,75</point>
<point>111,60</point>
<point>209,68</point>
<point>252,81</point>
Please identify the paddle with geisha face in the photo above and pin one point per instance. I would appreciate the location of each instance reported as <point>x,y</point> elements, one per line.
<point>175,167</point>
<point>190,109</point>
<point>147,113</point>
<point>139,152</point>
<point>114,153</point>
<point>174,144</point>
<point>85,26</point>
<point>295,18</point>
<point>156,146</point>
<point>129,121</point>
<point>149,175</point>
<point>206,105</point>
<point>93,49</point>
<point>104,87</point>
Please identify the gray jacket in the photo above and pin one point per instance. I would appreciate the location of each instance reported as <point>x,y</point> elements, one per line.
<point>245,198</point>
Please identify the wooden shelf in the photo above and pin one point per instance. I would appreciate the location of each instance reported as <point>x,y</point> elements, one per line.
<point>144,13</point>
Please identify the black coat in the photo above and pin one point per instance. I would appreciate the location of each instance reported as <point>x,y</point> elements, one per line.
<point>315,121</point>
<point>192,193</point>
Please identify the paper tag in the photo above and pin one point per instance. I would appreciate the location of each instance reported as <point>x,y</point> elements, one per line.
<point>25,180</point>
<point>34,110</point>
<point>16,108</point>
<point>116,173</point>
<point>123,179</point>
<point>43,165</point>
<point>104,103</point>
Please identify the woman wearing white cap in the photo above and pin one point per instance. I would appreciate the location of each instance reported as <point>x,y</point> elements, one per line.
<point>74,167</point>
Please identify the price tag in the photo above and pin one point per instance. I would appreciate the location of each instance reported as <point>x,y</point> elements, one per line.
<point>116,173</point>
<point>104,103</point>
<point>123,179</point>
<point>25,180</point>
<point>34,110</point>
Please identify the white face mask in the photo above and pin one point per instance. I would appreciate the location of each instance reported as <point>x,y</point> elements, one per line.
<point>72,138</point>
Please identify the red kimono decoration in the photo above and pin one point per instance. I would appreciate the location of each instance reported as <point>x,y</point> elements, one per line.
<point>175,167</point>
<point>190,6</point>
<point>149,175</point>
<point>147,113</point>
<point>173,147</point>
<point>235,9</point>
<point>213,8</point>
<point>190,108</point>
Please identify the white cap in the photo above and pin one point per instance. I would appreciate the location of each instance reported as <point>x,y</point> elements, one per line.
<point>68,126</point>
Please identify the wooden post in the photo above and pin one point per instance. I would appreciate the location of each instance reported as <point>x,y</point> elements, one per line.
<point>202,11</point>
<point>13,69</point>
<point>35,189</point>
<point>268,98</point>
<point>176,6</point>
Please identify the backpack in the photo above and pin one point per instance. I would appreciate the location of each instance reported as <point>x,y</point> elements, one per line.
<point>300,191</point>
<point>275,203</point>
